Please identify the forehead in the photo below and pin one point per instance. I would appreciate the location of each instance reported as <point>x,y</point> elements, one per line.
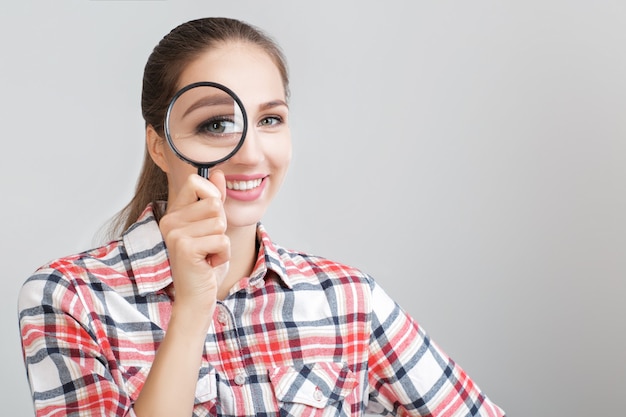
<point>243,67</point>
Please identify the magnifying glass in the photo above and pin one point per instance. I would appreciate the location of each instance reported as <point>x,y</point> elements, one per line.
<point>205,124</point>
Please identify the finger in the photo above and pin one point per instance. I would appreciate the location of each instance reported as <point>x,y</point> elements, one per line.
<point>219,258</point>
<point>201,217</point>
<point>216,249</point>
<point>177,227</point>
<point>219,180</point>
<point>213,249</point>
<point>208,188</point>
<point>194,188</point>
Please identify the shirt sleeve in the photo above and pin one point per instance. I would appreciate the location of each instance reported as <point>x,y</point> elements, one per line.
<point>68,373</point>
<point>410,375</point>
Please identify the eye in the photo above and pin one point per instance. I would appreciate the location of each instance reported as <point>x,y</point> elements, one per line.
<point>216,126</point>
<point>271,121</point>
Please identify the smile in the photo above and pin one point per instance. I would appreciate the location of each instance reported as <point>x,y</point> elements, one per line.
<point>243,185</point>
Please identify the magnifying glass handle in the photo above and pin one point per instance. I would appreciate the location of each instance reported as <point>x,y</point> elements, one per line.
<point>203,172</point>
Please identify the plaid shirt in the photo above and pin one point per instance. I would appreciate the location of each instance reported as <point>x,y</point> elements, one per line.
<point>302,336</point>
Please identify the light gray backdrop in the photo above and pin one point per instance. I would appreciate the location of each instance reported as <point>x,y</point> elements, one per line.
<point>471,155</point>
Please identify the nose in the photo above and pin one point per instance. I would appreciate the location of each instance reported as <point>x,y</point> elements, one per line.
<point>251,151</point>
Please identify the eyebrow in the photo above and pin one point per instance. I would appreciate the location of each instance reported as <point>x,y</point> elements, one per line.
<point>221,100</point>
<point>272,104</point>
<point>210,101</point>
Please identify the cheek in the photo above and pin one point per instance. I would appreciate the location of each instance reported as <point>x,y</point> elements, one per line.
<point>281,160</point>
<point>281,153</point>
<point>289,153</point>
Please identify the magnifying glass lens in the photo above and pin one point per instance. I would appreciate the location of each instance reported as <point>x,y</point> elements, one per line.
<point>206,125</point>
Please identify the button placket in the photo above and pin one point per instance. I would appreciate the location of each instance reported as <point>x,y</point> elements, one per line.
<point>229,343</point>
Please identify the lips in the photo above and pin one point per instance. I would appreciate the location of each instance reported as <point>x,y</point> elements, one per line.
<point>245,188</point>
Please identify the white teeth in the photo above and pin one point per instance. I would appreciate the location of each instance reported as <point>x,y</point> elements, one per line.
<point>243,185</point>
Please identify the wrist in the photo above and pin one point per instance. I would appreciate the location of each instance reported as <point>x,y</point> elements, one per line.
<point>190,319</point>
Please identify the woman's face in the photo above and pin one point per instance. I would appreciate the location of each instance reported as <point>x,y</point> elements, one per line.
<point>255,173</point>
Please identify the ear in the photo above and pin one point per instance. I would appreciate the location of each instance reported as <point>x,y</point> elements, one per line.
<point>156,147</point>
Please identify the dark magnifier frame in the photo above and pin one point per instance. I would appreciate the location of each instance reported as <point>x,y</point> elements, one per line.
<point>204,166</point>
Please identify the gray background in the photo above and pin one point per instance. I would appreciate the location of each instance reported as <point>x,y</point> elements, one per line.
<point>471,155</point>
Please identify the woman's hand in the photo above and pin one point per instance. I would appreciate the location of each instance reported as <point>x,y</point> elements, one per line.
<point>194,230</point>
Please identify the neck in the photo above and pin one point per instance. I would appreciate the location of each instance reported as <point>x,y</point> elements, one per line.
<point>243,257</point>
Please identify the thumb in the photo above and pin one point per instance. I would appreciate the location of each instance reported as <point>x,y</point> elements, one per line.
<point>219,180</point>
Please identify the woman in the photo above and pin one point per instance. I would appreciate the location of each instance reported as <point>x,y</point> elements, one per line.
<point>195,311</point>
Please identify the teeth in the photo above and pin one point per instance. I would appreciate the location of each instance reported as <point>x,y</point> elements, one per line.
<point>243,185</point>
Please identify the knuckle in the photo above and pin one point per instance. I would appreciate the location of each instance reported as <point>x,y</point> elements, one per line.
<point>214,204</point>
<point>223,241</point>
<point>164,223</point>
<point>180,247</point>
<point>175,237</point>
<point>217,243</point>
<point>220,224</point>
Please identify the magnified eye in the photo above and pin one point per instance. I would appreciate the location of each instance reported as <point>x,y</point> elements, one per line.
<point>217,126</point>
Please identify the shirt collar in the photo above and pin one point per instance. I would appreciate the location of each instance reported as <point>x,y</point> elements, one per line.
<point>150,265</point>
<point>147,253</point>
<point>270,258</point>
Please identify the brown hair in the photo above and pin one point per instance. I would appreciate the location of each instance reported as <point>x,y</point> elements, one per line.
<point>160,82</point>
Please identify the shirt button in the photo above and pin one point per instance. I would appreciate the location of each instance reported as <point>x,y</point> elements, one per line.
<point>318,395</point>
<point>260,283</point>
<point>222,318</point>
<point>240,379</point>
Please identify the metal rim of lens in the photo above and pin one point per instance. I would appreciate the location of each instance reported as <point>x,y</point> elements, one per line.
<point>168,137</point>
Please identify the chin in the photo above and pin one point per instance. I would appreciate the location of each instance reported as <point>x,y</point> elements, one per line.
<point>243,216</point>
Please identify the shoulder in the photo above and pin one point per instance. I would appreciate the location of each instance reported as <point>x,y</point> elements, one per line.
<point>339,281</point>
<point>298,267</point>
<point>110,256</point>
<point>95,267</point>
<point>306,267</point>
